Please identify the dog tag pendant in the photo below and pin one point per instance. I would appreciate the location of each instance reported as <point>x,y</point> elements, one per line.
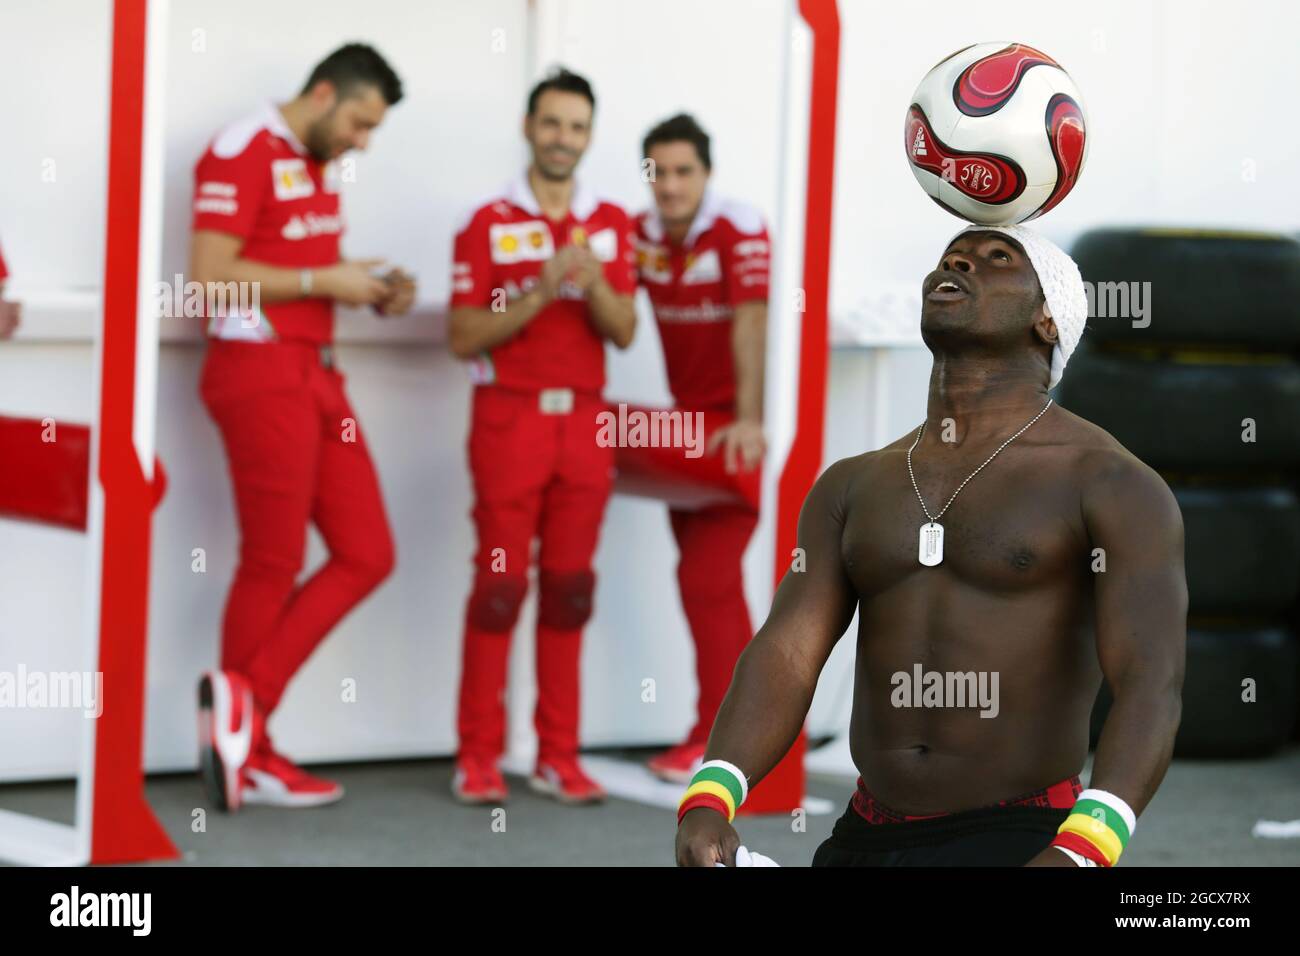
<point>931,544</point>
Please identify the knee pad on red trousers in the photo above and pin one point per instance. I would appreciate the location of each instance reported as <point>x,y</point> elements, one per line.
<point>495,602</point>
<point>564,599</point>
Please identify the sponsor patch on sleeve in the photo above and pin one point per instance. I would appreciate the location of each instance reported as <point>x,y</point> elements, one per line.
<point>216,205</point>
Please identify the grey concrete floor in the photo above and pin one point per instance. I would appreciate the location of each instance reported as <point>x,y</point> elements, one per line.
<point>402,814</point>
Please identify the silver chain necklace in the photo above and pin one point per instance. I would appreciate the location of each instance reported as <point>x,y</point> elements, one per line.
<point>930,543</point>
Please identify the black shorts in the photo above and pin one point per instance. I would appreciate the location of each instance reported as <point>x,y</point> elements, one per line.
<point>991,836</point>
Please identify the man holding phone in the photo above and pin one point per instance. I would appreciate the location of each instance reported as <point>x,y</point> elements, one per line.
<point>267,219</point>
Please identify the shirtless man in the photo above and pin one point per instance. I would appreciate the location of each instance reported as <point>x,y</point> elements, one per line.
<point>1059,563</point>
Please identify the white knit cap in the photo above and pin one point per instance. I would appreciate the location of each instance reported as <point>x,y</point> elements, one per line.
<point>1062,286</point>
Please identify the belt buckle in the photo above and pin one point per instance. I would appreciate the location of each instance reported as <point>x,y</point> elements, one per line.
<point>555,401</point>
<point>327,356</point>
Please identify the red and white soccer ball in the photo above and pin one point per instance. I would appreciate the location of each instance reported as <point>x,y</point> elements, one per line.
<point>996,133</point>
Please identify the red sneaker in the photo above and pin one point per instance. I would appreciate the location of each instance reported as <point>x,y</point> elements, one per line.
<point>563,779</point>
<point>274,780</point>
<point>478,781</point>
<point>677,764</point>
<point>226,735</point>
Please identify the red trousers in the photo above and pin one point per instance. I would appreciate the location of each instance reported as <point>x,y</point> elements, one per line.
<point>711,544</point>
<point>713,516</point>
<point>296,457</point>
<point>537,475</point>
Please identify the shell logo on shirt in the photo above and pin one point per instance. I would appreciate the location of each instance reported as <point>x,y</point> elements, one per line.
<point>291,179</point>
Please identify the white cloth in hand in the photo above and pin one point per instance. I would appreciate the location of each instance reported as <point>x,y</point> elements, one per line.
<point>745,858</point>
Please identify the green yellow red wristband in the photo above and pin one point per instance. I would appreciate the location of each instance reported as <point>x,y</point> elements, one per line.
<point>705,801</point>
<point>1099,827</point>
<point>1085,848</point>
<point>720,780</point>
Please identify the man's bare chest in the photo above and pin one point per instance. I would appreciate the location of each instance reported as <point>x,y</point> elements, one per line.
<point>1016,526</point>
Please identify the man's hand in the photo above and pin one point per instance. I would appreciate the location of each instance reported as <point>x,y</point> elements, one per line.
<point>555,270</point>
<point>352,282</point>
<point>587,269</point>
<point>10,317</point>
<point>1051,856</point>
<point>743,445</point>
<point>705,838</point>
<point>401,293</point>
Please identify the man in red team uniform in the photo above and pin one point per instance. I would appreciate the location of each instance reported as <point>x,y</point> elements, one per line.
<point>267,218</point>
<point>543,275</point>
<point>9,311</point>
<point>703,259</point>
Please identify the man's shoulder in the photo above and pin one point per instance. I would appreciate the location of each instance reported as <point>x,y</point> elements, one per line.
<point>249,137</point>
<point>854,466</point>
<point>610,213</point>
<point>486,209</point>
<point>1108,473</point>
<point>843,473</point>
<point>1093,450</point>
<point>735,217</point>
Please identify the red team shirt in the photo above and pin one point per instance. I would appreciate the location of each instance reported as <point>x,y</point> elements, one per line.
<point>695,287</point>
<point>4,269</point>
<point>258,182</point>
<point>503,247</point>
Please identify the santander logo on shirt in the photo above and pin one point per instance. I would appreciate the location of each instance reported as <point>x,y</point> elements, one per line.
<point>310,225</point>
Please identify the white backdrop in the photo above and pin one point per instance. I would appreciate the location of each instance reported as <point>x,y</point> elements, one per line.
<point>1180,102</point>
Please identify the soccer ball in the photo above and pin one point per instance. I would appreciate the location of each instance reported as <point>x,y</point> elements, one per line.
<point>996,133</point>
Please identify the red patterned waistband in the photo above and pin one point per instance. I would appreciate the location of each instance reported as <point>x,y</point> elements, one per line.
<point>1060,796</point>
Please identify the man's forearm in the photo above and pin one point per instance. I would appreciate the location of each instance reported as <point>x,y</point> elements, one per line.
<point>613,315</point>
<point>749,352</point>
<point>1137,742</point>
<point>764,709</point>
<point>478,330</point>
<point>274,284</point>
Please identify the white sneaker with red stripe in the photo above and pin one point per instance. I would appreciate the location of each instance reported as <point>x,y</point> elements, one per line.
<point>678,764</point>
<point>227,723</point>
<point>273,780</point>
<point>563,779</point>
<point>478,780</point>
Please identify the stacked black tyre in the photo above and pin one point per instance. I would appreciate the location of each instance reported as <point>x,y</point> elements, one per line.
<point>1191,360</point>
